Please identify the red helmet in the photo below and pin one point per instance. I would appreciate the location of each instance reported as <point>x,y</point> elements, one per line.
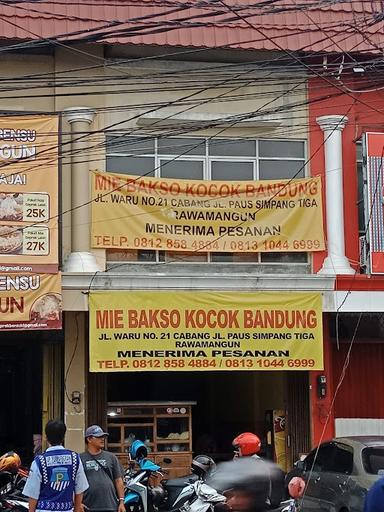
<point>247,444</point>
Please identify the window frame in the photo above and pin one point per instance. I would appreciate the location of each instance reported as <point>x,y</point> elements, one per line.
<point>207,159</point>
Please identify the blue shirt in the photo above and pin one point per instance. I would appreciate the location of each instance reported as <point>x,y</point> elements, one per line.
<point>33,485</point>
<point>374,501</point>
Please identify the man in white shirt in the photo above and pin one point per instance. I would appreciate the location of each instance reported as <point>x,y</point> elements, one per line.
<point>56,480</point>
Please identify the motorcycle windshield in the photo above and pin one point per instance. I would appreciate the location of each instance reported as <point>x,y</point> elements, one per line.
<point>148,465</point>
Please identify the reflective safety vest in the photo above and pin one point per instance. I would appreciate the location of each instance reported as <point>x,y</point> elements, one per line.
<point>58,469</point>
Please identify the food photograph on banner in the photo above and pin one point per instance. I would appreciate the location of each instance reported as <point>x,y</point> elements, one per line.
<point>30,284</point>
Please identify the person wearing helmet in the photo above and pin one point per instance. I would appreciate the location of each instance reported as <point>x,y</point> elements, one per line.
<point>202,465</point>
<point>56,480</point>
<point>248,445</point>
<point>245,482</point>
<point>104,473</point>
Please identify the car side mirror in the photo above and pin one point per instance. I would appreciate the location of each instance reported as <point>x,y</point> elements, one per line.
<point>300,465</point>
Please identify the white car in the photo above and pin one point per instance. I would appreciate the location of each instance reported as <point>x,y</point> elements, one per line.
<point>339,474</point>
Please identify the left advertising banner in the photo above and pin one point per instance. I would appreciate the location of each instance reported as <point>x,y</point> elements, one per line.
<point>30,282</point>
<point>29,194</point>
<point>30,301</point>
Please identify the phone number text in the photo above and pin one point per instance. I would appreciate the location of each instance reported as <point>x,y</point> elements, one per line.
<point>148,364</point>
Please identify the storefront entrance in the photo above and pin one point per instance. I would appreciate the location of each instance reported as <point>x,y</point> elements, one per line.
<point>226,404</point>
<point>20,397</point>
<point>25,397</point>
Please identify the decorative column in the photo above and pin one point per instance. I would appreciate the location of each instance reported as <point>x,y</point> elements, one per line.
<point>81,259</point>
<point>336,261</point>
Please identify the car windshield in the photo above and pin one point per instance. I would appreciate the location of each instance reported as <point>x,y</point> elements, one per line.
<point>373,460</point>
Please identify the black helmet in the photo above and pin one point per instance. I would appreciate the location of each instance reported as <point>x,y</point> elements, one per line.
<point>244,474</point>
<point>201,465</point>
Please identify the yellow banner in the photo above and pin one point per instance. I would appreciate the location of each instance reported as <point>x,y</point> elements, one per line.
<point>185,331</point>
<point>29,194</point>
<point>30,301</point>
<point>130,212</point>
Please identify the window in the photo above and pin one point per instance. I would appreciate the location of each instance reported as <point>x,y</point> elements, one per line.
<point>320,461</point>
<point>373,460</point>
<point>331,457</point>
<point>342,460</point>
<point>210,159</point>
<point>360,188</point>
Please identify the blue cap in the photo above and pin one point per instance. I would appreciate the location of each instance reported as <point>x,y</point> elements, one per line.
<point>95,431</point>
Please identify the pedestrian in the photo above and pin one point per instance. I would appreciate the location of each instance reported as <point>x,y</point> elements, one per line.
<point>104,474</point>
<point>244,482</point>
<point>248,445</point>
<point>374,500</point>
<point>56,480</point>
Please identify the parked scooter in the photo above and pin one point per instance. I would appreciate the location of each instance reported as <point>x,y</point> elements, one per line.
<point>184,494</point>
<point>196,495</point>
<point>139,495</point>
<point>12,481</point>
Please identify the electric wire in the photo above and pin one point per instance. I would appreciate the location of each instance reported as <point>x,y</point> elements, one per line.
<point>351,344</point>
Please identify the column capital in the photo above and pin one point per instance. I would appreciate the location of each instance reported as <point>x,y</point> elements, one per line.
<point>335,122</point>
<point>82,114</point>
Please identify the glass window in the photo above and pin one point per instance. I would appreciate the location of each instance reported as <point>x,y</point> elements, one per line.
<point>320,461</point>
<point>281,149</point>
<point>342,460</point>
<point>360,188</point>
<point>181,146</point>
<point>172,428</point>
<point>133,432</point>
<point>205,158</point>
<point>231,171</point>
<point>222,257</point>
<point>281,169</point>
<point>373,460</point>
<point>182,169</point>
<point>114,434</point>
<point>359,151</point>
<point>227,147</point>
<point>119,255</point>
<point>284,257</point>
<point>131,145</point>
<point>180,257</point>
<point>360,197</point>
<point>138,166</point>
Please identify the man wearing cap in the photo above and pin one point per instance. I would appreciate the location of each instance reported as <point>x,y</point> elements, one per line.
<point>104,474</point>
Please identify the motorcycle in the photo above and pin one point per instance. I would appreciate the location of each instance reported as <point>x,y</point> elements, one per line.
<point>185,494</point>
<point>12,481</point>
<point>13,501</point>
<point>139,496</point>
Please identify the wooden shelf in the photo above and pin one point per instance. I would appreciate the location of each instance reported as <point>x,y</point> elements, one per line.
<point>122,423</point>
